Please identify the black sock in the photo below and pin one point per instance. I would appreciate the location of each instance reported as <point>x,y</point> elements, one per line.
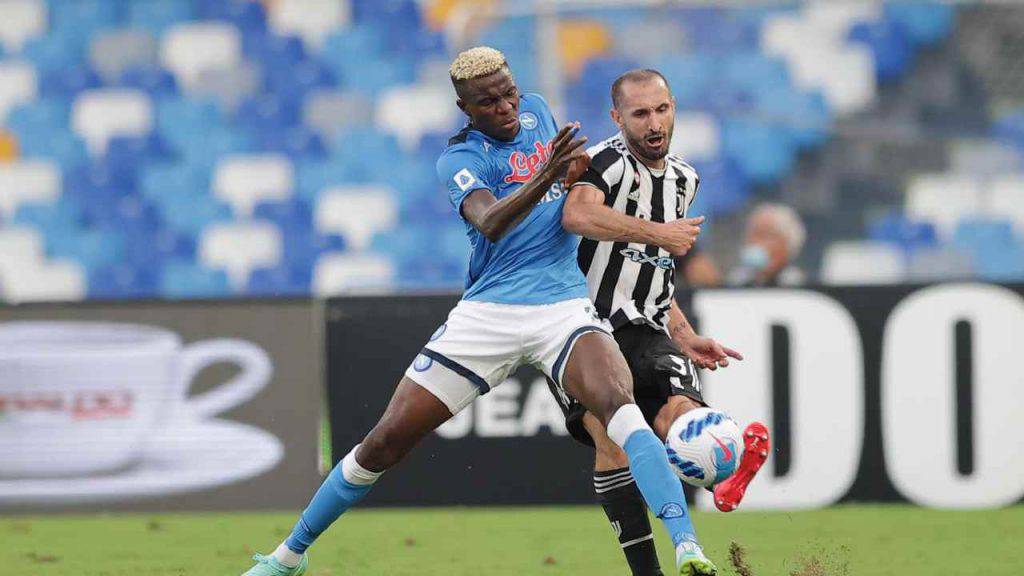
<point>626,510</point>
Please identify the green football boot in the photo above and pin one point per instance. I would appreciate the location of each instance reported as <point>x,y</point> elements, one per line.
<point>692,561</point>
<point>269,566</point>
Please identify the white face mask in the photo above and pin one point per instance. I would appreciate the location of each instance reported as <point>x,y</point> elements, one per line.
<point>754,256</point>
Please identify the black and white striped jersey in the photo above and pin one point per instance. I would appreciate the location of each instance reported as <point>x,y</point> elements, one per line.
<point>629,282</point>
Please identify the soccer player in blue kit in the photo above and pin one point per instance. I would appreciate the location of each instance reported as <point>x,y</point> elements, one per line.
<point>525,302</point>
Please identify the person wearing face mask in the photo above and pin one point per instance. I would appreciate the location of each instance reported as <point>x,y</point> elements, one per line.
<point>774,238</point>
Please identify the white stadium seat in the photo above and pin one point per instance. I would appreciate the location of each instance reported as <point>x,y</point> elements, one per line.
<point>331,111</point>
<point>28,182</point>
<point>845,75</point>
<point>311,20</point>
<point>22,20</point>
<point>245,180</point>
<point>348,273</point>
<point>189,49</point>
<point>862,263</point>
<point>938,265</point>
<point>411,111</point>
<point>697,136</point>
<point>99,115</point>
<point>56,281</point>
<point>20,247</point>
<point>943,199</point>
<point>835,19</point>
<point>239,248</point>
<point>18,84</point>
<point>356,212</point>
<point>1006,200</point>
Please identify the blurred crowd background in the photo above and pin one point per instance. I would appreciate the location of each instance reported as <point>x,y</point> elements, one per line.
<point>180,148</point>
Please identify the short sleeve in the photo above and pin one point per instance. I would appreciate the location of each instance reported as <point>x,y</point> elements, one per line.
<point>605,171</point>
<point>462,171</point>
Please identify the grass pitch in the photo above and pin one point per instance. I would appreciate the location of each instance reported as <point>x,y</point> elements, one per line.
<point>841,541</point>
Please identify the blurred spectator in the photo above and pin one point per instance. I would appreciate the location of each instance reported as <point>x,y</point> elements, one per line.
<point>696,269</point>
<point>774,238</point>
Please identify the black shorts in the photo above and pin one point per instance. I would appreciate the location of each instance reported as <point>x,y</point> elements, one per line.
<point>659,371</point>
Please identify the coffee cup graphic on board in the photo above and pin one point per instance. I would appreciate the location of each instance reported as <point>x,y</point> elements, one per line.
<point>81,398</point>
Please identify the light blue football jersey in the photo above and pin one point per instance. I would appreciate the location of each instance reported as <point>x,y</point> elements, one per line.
<point>535,262</point>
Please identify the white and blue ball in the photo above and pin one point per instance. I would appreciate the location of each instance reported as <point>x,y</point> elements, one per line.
<point>704,447</point>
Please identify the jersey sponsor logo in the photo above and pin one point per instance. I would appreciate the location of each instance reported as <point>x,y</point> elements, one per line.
<point>524,165</point>
<point>463,179</point>
<point>528,120</point>
<point>639,257</point>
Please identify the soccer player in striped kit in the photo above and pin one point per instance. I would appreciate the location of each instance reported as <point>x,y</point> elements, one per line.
<point>630,206</point>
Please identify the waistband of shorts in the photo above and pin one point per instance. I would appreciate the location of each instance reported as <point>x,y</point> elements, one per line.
<point>505,306</point>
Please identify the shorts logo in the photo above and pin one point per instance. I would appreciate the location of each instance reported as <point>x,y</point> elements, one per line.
<point>422,363</point>
<point>671,510</point>
<point>439,332</point>
<point>528,120</point>
<point>464,179</point>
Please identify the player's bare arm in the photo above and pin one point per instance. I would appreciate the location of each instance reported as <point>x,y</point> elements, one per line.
<point>586,214</point>
<point>494,218</point>
<point>705,352</point>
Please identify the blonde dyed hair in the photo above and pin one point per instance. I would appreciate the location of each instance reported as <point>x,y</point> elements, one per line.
<point>476,62</point>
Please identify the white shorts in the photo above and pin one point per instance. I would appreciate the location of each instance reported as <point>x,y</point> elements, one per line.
<point>483,343</point>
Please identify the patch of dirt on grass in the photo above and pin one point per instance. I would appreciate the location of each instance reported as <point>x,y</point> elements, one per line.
<point>738,557</point>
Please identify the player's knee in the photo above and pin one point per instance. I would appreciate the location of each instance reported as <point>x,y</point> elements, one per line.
<point>608,455</point>
<point>617,392</point>
<point>382,448</point>
<point>673,409</point>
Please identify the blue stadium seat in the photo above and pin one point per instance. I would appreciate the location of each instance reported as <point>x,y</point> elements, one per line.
<point>1005,265</point>
<point>692,76</point>
<point>980,235</point>
<point>152,80</point>
<point>291,217</point>
<point>250,17</point>
<point>132,151</point>
<point>890,46</point>
<point>371,153</point>
<point>763,153</point>
<point>723,188</point>
<point>53,52</point>
<point>51,219</point>
<point>148,249</point>
<point>267,113</point>
<point>753,71</point>
<point>296,81</point>
<point>1010,128</point>
<point>353,42</point>
<point>208,145</point>
<point>93,249</point>
<point>280,281</point>
<point>297,142</point>
<point>81,18</point>
<point>156,15</point>
<point>274,51</point>
<point>68,82</point>
<point>99,180</point>
<point>804,115</point>
<point>122,282</point>
<point>183,279</point>
<point>925,22</point>
<point>163,180</point>
<point>190,214</point>
<point>302,248</point>
<point>39,116</point>
<point>314,176</point>
<point>61,146</point>
<point>909,235</point>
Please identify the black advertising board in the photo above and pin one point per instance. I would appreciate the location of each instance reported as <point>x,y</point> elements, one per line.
<point>873,394</point>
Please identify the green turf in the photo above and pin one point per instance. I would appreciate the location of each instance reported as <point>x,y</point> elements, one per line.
<point>854,541</point>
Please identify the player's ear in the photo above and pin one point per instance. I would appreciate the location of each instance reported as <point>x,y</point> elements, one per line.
<point>616,117</point>
<point>462,106</point>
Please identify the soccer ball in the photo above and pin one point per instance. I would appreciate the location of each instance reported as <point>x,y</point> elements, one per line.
<point>704,447</point>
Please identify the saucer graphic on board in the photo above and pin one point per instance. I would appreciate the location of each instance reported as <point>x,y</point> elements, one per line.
<point>186,457</point>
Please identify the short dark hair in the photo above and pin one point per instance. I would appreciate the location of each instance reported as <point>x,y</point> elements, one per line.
<point>636,75</point>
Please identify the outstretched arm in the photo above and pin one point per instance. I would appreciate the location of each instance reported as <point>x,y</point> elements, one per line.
<point>494,218</point>
<point>705,352</point>
<point>586,214</point>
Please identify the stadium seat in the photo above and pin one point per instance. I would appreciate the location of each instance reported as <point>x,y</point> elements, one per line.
<point>22,20</point>
<point>122,282</point>
<point>650,38</point>
<point>114,51</point>
<point>925,22</point>
<point>434,112</point>
<point>846,76</point>
<point>356,213</point>
<point>939,264</point>
<point>280,281</point>
<point>239,248</point>
<point>28,182</point>
<point>984,157</point>
<point>191,214</point>
<point>579,40</point>
<point>698,136</point>
<point>18,85</point>
<point>351,273</point>
<point>855,262</point>
<point>188,49</point>
<point>311,20</point>
<point>1006,200</point>
<point>836,19</point>
<point>1005,265</point>
<point>20,246</point>
<point>99,115</point>
<point>154,16</point>
<point>908,235</point>
<point>244,181</point>
<point>889,46</point>
<point>332,111</point>
<point>228,86</point>
<point>943,199</point>
<point>44,282</point>
<point>184,279</point>
<point>293,216</point>
<point>152,80</point>
<point>91,249</point>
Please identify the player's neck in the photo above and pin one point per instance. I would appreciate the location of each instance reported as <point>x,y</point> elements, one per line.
<point>658,164</point>
<point>492,136</point>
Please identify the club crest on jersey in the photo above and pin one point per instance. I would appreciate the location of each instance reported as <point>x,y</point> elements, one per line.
<point>524,165</point>
<point>528,120</point>
<point>463,179</point>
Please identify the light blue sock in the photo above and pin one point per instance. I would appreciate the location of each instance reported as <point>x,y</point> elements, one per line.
<point>346,485</point>
<point>649,465</point>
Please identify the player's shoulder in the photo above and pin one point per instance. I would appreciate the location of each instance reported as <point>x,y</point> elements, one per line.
<point>533,101</point>
<point>607,153</point>
<point>466,148</point>
<point>676,161</point>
